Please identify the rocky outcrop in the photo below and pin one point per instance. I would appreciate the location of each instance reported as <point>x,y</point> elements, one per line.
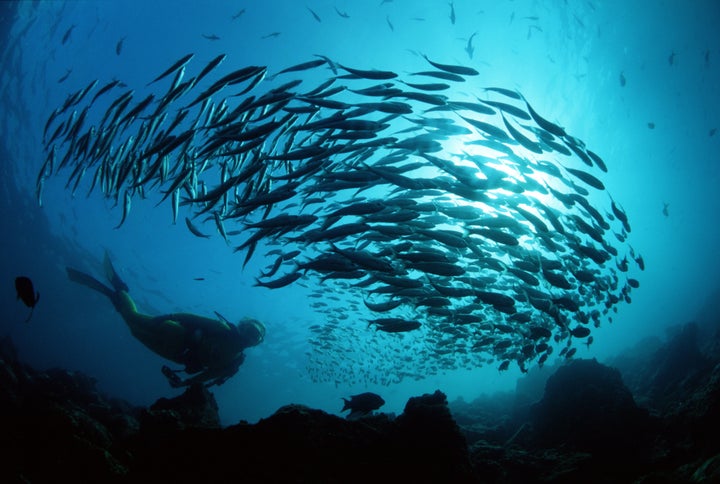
<point>584,427</point>
<point>57,427</point>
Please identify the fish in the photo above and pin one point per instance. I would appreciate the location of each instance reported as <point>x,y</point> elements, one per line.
<point>303,66</point>
<point>437,86</point>
<point>119,46</point>
<point>384,306</point>
<point>176,66</point>
<point>64,77</point>
<point>622,79</point>
<point>210,37</point>
<point>195,231</point>
<point>315,16</point>
<point>362,404</point>
<point>26,292</point>
<point>67,34</point>
<point>209,67</point>
<point>448,76</point>
<point>342,14</point>
<point>587,178</point>
<point>239,14</point>
<point>453,69</point>
<point>369,74</point>
<point>387,20</point>
<point>283,281</point>
<point>469,47</point>
<point>127,202</point>
<point>452,12</point>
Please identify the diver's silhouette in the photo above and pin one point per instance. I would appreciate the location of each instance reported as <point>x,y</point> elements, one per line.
<point>210,349</point>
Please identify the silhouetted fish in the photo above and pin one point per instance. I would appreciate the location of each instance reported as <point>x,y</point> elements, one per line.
<point>26,292</point>
<point>362,404</point>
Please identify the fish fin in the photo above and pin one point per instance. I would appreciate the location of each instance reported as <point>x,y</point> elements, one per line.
<point>347,404</point>
<point>89,281</point>
<point>31,313</point>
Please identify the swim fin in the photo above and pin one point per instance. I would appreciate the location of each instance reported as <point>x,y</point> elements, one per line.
<point>89,281</point>
<point>112,275</point>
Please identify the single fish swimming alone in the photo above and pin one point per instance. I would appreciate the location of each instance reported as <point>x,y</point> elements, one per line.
<point>362,404</point>
<point>26,292</point>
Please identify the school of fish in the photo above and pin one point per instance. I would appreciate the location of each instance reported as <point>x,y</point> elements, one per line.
<point>440,230</point>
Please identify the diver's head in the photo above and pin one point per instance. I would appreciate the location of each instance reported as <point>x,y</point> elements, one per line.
<point>251,331</point>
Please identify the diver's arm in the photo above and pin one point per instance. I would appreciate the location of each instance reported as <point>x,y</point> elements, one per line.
<point>213,376</point>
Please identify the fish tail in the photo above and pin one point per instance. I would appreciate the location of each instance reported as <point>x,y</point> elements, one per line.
<point>346,406</point>
<point>89,281</point>
<point>32,308</point>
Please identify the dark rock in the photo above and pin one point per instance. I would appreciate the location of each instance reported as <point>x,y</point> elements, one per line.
<point>587,407</point>
<point>586,428</point>
<point>428,435</point>
<point>57,426</point>
<point>196,407</point>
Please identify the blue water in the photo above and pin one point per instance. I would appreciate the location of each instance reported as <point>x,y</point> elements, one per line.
<point>656,133</point>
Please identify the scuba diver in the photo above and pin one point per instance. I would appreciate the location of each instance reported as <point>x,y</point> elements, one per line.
<point>210,349</point>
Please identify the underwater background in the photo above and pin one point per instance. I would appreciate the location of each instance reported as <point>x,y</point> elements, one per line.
<point>638,82</point>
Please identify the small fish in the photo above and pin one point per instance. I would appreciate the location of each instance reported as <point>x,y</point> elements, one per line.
<point>210,66</point>
<point>239,14</point>
<point>622,79</point>
<point>126,208</point>
<point>198,278</point>
<point>665,209</point>
<point>651,125</point>
<point>64,78</point>
<point>303,66</point>
<point>469,47</point>
<point>272,34</point>
<point>460,70</point>
<point>580,331</point>
<point>279,282</point>
<point>195,230</point>
<point>369,74</point>
<point>211,37</point>
<point>342,14</point>
<point>387,19</point>
<point>119,46</point>
<point>315,16</point>
<point>180,63</point>
<point>68,32</point>
<point>452,13</point>
<point>671,58</point>
<point>712,132</point>
<point>26,292</point>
